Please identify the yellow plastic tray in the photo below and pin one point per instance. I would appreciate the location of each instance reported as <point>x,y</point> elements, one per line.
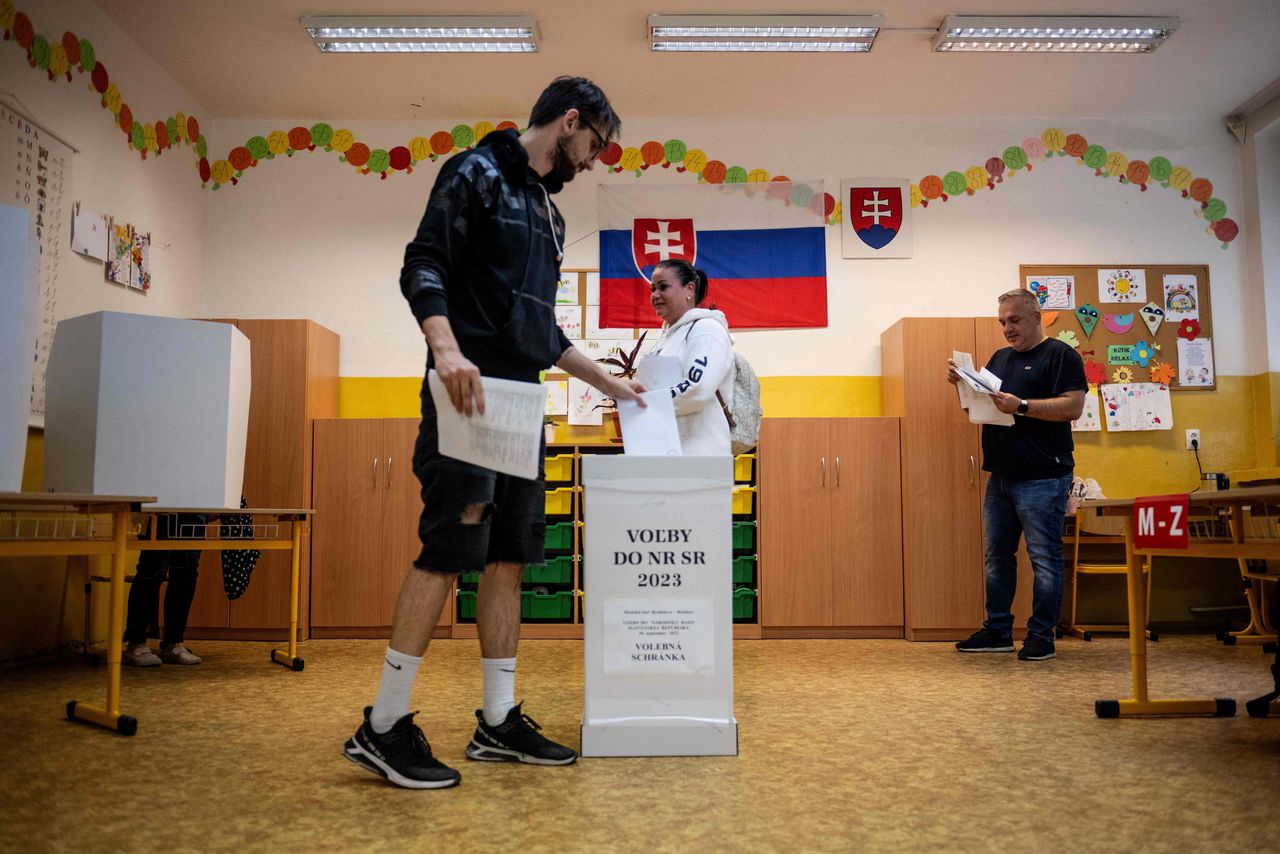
<point>559,467</point>
<point>560,501</point>
<point>742,467</point>
<point>743,500</point>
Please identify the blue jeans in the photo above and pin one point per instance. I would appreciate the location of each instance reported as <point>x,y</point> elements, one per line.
<point>1014,507</point>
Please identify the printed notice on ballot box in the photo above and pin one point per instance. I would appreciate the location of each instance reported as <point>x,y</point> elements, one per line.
<point>658,636</point>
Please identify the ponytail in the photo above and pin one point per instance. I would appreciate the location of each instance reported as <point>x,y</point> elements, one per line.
<point>687,274</point>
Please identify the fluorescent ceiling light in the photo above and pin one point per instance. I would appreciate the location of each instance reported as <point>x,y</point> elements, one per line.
<point>422,33</point>
<point>1036,34</point>
<point>764,33</point>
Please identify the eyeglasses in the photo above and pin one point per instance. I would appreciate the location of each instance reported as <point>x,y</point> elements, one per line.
<point>597,150</point>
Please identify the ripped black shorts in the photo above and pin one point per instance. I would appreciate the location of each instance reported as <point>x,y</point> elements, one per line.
<point>514,527</point>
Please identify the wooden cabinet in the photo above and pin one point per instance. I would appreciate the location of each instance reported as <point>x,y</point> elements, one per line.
<point>295,380</point>
<point>365,537</point>
<point>830,527</point>
<point>942,482</point>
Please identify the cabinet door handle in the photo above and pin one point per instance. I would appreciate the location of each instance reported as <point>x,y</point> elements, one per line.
<point>824,471</point>
<point>973,470</point>
<point>837,471</point>
<point>375,472</point>
<point>388,472</point>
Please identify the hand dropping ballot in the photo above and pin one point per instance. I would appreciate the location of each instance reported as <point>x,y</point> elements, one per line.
<point>975,389</point>
<point>506,438</point>
<point>652,431</point>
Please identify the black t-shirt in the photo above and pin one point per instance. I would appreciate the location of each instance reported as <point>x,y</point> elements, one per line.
<point>1033,448</point>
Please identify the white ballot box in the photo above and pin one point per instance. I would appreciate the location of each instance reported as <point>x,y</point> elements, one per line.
<point>658,607</point>
<point>141,405</point>
<point>19,298</point>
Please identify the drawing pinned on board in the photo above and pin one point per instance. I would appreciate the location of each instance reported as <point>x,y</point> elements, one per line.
<point>1181,297</point>
<point>1118,285</point>
<point>1053,292</point>
<point>1090,420</point>
<point>567,289</point>
<point>1137,406</point>
<point>1118,324</point>
<point>557,398</point>
<point>140,265</point>
<point>1088,317</point>
<point>569,319</point>
<point>119,252</point>
<point>1195,362</point>
<point>1152,316</point>
<point>89,234</point>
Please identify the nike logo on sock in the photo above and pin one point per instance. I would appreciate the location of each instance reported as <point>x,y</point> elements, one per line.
<point>505,670</point>
<point>396,666</point>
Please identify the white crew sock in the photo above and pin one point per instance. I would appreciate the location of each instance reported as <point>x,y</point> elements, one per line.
<point>398,671</point>
<point>499,689</point>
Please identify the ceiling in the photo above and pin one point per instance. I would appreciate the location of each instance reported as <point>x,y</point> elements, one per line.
<point>252,59</point>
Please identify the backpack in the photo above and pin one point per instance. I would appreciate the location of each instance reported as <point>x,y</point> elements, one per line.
<point>744,417</point>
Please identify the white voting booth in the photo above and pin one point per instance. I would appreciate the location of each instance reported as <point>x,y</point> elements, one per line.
<point>658,607</point>
<point>19,300</point>
<point>142,405</point>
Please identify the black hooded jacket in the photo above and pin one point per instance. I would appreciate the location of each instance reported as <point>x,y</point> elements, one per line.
<point>484,244</point>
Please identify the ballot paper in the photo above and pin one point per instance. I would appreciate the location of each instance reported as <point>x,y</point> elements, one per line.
<point>506,438</point>
<point>651,431</point>
<point>975,389</point>
<point>655,372</point>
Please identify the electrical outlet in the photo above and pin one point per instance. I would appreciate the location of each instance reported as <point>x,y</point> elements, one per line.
<point>1193,440</point>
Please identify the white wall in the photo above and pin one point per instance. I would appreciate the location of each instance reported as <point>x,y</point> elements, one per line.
<point>309,236</point>
<point>1267,152</point>
<point>161,195</point>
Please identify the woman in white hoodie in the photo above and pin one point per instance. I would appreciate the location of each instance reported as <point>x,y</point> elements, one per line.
<point>699,338</point>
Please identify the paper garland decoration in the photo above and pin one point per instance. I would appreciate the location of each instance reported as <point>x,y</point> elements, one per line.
<point>1088,317</point>
<point>59,58</point>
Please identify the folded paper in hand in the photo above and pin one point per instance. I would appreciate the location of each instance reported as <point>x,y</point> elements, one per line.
<point>975,389</point>
<point>506,438</point>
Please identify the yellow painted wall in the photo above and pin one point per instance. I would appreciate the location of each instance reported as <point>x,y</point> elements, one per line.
<point>1237,422</point>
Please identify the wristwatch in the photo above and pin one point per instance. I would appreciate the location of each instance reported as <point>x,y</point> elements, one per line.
<point>1023,406</point>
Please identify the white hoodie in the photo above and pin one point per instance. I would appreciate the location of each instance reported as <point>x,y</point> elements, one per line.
<point>700,340</point>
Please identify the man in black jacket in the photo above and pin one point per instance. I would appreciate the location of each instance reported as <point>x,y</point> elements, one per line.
<point>480,276</point>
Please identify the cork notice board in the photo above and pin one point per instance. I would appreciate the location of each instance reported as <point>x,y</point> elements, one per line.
<point>1110,330</point>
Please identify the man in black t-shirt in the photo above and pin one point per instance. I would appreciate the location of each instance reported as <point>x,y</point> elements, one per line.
<point>1043,386</point>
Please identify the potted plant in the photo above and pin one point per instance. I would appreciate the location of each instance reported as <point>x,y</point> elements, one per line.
<point>623,366</point>
<point>549,427</point>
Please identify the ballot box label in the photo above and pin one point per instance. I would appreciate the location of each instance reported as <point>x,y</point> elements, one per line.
<point>659,636</point>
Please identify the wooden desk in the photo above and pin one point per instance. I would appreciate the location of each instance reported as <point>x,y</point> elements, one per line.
<point>266,537</point>
<point>28,527</point>
<point>41,535</point>
<point>1231,502</point>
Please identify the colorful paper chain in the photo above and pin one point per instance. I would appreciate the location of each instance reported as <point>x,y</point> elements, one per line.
<point>58,59</point>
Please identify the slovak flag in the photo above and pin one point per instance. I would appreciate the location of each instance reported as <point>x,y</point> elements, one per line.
<point>762,246</point>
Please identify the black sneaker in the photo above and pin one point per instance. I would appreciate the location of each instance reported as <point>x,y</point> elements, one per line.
<point>401,754</point>
<point>516,740</point>
<point>1036,649</point>
<point>986,640</point>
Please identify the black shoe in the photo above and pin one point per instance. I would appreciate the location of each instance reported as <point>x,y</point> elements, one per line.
<point>1036,649</point>
<point>986,640</point>
<point>401,754</point>
<point>516,740</point>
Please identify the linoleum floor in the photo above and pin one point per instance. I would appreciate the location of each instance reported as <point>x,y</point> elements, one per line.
<point>845,745</point>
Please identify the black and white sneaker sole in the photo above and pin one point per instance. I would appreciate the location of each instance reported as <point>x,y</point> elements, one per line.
<point>1008,648</point>
<point>365,760</point>
<point>1045,657</point>
<point>480,753</point>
